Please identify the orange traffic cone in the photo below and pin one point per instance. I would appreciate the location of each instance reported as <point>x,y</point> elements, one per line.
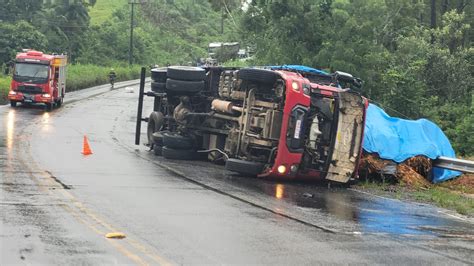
<point>86,150</point>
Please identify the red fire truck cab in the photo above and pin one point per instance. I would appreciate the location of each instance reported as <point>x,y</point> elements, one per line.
<point>38,78</point>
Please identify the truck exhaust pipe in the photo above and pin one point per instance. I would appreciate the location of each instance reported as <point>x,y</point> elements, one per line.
<point>225,107</point>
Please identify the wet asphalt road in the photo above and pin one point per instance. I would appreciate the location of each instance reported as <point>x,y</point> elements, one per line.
<point>57,205</point>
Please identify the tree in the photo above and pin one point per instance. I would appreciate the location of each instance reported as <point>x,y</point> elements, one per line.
<point>21,35</point>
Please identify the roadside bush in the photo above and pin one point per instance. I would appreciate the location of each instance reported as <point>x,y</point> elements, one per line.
<point>84,76</point>
<point>4,88</point>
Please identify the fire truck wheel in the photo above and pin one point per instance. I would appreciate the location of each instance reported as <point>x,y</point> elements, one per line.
<point>176,154</point>
<point>59,102</point>
<point>157,150</point>
<point>186,73</point>
<point>258,75</point>
<point>155,122</point>
<point>13,103</point>
<point>158,86</point>
<point>244,167</point>
<point>49,107</point>
<point>176,141</point>
<point>159,74</point>
<point>183,87</point>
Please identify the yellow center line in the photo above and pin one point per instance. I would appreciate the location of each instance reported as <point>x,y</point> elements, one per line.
<point>46,180</point>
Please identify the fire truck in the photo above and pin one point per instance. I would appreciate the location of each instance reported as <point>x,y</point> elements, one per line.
<point>287,122</point>
<point>38,78</point>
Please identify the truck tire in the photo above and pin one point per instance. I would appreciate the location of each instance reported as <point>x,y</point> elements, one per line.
<point>258,75</point>
<point>159,74</point>
<point>155,122</point>
<point>186,73</point>
<point>49,107</point>
<point>59,103</point>
<point>158,138</point>
<point>244,167</point>
<point>176,154</point>
<point>176,141</point>
<point>157,150</point>
<point>158,86</point>
<point>183,87</point>
<point>13,103</point>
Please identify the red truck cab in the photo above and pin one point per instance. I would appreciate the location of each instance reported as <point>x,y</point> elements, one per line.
<point>321,133</point>
<point>38,78</point>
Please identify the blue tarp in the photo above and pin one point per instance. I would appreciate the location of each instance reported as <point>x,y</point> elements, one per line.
<point>300,68</point>
<point>399,139</point>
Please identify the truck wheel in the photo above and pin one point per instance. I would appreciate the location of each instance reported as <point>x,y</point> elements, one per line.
<point>258,75</point>
<point>176,154</point>
<point>49,107</point>
<point>155,122</point>
<point>176,141</point>
<point>13,103</point>
<point>186,73</point>
<point>59,103</point>
<point>184,87</point>
<point>158,86</point>
<point>158,138</point>
<point>157,150</point>
<point>159,74</point>
<point>244,167</point>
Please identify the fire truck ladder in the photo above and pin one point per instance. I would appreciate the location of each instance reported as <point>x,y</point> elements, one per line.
<point>454,164</point>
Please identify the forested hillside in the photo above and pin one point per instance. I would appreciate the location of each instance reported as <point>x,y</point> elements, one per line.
<point>415,56</point>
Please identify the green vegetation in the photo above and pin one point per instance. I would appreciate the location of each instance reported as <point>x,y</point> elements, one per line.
<point>84,76</point>
<point>447,199</point>
<point>439,195</point>
<point>4,88</point>
<point>103,10</point>
<point>415,57</point>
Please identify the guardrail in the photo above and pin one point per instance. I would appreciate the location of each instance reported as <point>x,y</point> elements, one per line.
<point>454,164</point>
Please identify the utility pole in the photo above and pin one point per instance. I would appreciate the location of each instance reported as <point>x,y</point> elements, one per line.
<point>130,49</point>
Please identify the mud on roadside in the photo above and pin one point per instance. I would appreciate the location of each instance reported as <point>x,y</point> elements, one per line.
<point>410,181</point>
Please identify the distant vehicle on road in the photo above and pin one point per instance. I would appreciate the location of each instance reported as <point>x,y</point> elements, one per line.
<point>287,122</point>
<point>38,78</point>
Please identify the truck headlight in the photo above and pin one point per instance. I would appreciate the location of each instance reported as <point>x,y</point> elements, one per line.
<point>12,93</point>
<point>46,95</point>
<point>295,86</point>
<point>281,169</point>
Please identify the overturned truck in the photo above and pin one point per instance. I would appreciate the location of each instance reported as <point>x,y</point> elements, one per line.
<point>268,122</point>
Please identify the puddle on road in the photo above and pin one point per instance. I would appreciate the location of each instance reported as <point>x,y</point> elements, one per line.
<point>372,214</point>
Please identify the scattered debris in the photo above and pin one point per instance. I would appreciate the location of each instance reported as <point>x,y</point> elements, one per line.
<point>414,172</point>
<point>308,195</point>
<point>129,90</point>
<point>116,235</point>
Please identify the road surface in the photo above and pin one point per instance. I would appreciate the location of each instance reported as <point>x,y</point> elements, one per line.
<point>58,205</point>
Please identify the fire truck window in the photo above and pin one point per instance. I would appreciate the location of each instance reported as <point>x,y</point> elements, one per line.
<point>31,70</point>
<point>56,72</point>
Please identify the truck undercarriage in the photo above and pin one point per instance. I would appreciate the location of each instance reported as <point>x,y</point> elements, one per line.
<point>269,123</point>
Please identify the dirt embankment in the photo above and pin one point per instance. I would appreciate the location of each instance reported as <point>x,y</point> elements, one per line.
<point>410,180</point>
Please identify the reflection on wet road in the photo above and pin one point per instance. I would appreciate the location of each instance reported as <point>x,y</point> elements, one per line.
<point>187,212</point>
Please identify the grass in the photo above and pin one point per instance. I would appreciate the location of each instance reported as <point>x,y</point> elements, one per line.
<point>103,9</point>
<point>84,76</point>
<point>453,195</point>
<point>4,88</point>
<point>446,198</point>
